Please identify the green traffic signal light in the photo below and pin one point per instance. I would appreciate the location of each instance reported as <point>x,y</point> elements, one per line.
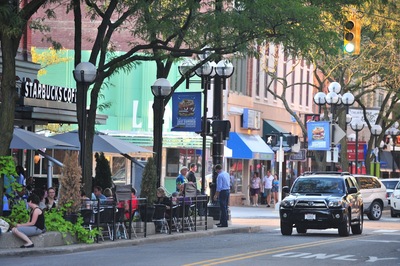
<point>352,37</point>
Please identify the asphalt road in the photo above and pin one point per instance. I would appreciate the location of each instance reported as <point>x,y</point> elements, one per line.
<point>378,245</point>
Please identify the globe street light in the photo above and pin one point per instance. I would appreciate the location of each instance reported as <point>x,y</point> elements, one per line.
<point>393,132</point>
<point>334,99</point>
<point>357,125</point>
<point>84,74</point>
<point>160,89</point>
<point>376,130</point>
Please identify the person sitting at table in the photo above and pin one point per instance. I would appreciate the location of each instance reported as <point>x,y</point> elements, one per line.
<point>125,204</point>
<point>50,200</point>
<point>108,193</point>
<point>41,194</point>
<point>162,198</point>
<point>98,194</point>
<point>86,202</point>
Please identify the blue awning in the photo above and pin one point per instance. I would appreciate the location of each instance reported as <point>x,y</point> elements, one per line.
<point>249,147</point>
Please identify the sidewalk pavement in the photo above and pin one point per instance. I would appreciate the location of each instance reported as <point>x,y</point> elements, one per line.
<point>242,212</point>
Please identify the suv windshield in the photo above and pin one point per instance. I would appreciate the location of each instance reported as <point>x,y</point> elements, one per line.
<point>318,185</point>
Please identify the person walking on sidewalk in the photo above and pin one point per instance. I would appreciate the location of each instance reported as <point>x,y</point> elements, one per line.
<point>275,188</point>
<point>267,183</point>
<point>222,194</point>
<point>255,184</point>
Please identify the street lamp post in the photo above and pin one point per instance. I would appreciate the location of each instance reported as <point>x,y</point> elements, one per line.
<point>334,99</point>
<point>205,72</point>
<point>84,74</point>
<point>376,130</point>
<point>357,125</point>
<point>160,89</point>
<point>393,132</point>
<point>223,70</point>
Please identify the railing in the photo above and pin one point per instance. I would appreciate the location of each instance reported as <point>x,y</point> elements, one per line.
<point>184,209</point>
<point>183,215</point>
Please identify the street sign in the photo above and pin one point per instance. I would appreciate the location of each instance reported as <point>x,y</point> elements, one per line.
<point>335,158</point>
<point>299,156</point>
<point>280,155</point>
<point>338,133</point>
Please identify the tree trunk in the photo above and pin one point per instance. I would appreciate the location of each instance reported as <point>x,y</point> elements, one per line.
<point>8,95</point>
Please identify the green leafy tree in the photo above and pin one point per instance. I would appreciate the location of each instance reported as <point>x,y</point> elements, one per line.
<point>165,32</point>
<point>14,20</point>
<point>103,171</point>
<point>365,76</point>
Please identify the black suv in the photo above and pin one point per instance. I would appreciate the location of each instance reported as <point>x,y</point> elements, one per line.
<point>321,200</point>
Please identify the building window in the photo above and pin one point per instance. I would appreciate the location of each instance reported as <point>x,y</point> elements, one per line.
<point>258,73</point>
<point>239,77</point>
<point>236,169</point>
<point>301,85</point>
<point>308,88</point>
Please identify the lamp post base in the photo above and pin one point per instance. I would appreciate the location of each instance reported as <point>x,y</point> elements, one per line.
<point>214,211</point>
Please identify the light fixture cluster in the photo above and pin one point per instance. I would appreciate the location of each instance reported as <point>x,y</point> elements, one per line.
<point>208,70</point>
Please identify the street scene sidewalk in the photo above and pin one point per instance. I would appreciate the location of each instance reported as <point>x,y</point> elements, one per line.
<point>243,212</point>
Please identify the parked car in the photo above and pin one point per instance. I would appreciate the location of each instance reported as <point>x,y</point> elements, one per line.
<point>373,192</point>
<point>390,184</point>
<point>395,201</point>
<point>321,200</point>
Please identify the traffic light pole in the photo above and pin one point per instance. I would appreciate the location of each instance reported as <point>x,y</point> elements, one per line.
<point>217,147</point>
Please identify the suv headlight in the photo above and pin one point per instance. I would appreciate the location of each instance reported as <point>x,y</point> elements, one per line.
<point>335,203</point>
<point>287,203</point>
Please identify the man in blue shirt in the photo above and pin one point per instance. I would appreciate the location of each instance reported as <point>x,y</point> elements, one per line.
<point>181,179</point>
<point>222,194</point>
<point>98,194</point>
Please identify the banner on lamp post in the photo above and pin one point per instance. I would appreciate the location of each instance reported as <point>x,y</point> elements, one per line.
<point>319,135</point>
<point>186,111</point>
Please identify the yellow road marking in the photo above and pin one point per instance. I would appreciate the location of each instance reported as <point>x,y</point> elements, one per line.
<point>270,251</point>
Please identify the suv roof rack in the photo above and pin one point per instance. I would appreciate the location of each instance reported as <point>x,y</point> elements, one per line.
<point>325,172</point>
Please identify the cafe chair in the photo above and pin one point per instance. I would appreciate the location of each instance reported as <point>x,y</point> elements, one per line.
<point>107,222</point>
<point>120,224</point>
<point>160,219</point>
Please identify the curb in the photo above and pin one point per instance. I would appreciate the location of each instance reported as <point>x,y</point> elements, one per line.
<point>125,243</point>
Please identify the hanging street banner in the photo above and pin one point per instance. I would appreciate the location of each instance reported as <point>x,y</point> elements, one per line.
<point>371,114</point>
<point>186,111</point>
<point>319,135</point>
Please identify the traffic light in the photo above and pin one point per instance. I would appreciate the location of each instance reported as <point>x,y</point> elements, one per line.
<point>292,140</point>
<point>352,36</point>
<point>271,139</point>
<point>208,127</point>
<point>223,126</point>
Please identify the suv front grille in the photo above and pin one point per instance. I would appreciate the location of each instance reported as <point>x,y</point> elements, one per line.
<point>311,204</point>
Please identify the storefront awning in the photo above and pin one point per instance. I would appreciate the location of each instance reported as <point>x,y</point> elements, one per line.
<point>386,160</point>
<point>249,147</point>
<point>272,127</point>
